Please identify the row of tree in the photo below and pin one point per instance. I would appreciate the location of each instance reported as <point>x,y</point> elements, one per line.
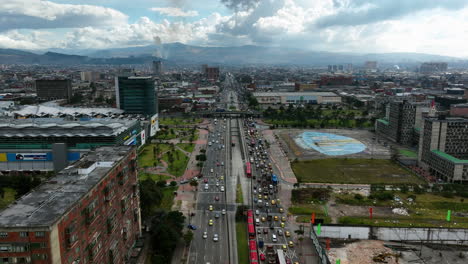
<point>22,184</point>
<point>311,116</point>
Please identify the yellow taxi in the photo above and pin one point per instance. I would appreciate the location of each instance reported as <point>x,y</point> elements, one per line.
<point>281,210</point>
<point>291,244</point>
<point>283,219</point>
<point>210,223</point>
<point>284,247</point>
<point>287,234</point>
<point>276,218</point>
<point>211,208</point>
<point>263,219</point>
<point>273,202</point>
<point>282,224</point>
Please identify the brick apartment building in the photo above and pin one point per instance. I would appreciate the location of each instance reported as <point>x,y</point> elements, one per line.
<point>443,148</point>
<point>53,89</point>
<point>88,213</point>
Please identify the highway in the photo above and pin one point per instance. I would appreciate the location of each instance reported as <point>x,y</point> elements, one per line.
<point>216,197</point>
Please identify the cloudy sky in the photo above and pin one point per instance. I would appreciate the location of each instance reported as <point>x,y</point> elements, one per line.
<point>426,26</point>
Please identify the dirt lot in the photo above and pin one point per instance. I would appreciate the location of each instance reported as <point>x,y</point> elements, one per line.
<point>373,251</point>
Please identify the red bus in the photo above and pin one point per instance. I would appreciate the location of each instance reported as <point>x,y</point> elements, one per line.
<point>248,170</point>
<point>253,258</point>
<point>249,214</point>
<point>251,229</point>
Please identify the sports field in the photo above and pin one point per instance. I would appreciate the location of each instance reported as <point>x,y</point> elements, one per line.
<point>357,171</point>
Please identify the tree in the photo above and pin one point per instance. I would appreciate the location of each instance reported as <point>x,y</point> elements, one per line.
<point>77,98</point>
<point>173,183</point>
<point>161,184</point>
<point>188,236</point>
<point>193,183</point>
<point>150,194</point>
<point>201,157</point>
<point>299,231</point>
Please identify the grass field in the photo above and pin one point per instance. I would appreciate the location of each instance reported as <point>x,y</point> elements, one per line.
<point>408,153</point>
<point>179,121</point>
<point>168,198</point>
<point>155,177</point>
<point>179,164</point>
<point>426,210</point>
<point>8,197</point>
<point>186,146</point>
<point>405,221</point>
<point>146,155</point>
<point>239,197</point>
<point>358,171</point>
<point>242,246</point>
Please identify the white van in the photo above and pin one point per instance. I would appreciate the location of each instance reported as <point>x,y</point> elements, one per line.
<point>273,238</point>
<point>206,187</point>
<point>211,170</point>
<point>257,221</point>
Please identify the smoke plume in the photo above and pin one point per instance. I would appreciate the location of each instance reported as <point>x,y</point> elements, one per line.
<point>159,47</point>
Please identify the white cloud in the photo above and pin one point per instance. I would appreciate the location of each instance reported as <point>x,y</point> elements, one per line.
<point>37,14</point>
<point>174,12</point>
<point>291,23</point>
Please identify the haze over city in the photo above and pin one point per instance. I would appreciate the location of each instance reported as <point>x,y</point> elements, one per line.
<point>422,26</point>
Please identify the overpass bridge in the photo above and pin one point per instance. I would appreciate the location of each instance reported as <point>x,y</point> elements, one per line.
<point>228,114</point>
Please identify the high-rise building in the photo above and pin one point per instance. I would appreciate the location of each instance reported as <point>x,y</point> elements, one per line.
<point>136,95</point>
<point>431,67</point>
<point>89,76</point>
<point>157,68</point>
<point>443,148</point>
<point>53,89</point>
<point>211,73</point>
<point>88,213</point>
<point>402,122</point>
<point>370,65</point>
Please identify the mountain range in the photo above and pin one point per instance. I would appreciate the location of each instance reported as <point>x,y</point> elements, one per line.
<point>181,54</point>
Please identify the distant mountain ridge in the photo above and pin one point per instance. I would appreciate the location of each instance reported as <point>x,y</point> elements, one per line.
<point>179,53</point>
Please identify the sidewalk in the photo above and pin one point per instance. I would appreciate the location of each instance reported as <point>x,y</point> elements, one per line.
<point>185,200</point>
<point>279,159</point>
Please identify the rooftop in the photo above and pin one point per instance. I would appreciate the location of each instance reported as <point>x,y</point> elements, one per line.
<point>43,110</point>
<point>59,127</point>
<point>47,203</point>
<point>448,156</point>
<point>383,121</point>
<point>296,94</point>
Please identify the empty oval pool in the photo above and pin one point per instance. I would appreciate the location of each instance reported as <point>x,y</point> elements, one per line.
<point>329,144</point>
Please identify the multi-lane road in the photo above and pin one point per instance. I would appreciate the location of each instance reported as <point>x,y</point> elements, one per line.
<point>214,206</point>
<point>215,237</point>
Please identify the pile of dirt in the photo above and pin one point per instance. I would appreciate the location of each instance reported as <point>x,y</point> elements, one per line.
<point>364,252</point>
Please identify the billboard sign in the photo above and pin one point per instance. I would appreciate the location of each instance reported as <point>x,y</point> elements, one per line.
<point>154,125</point>
<point>31,156</point>
<point>143,137</point>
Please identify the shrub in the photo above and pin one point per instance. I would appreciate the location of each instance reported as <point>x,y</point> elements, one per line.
<point>358,197</point>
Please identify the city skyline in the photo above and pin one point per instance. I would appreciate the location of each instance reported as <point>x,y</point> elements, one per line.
<point>433,27</point>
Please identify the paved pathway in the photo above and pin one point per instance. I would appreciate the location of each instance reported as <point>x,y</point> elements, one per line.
<point>279,159</point>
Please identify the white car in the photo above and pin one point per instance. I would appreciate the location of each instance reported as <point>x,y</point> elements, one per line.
<point>222,188</point>
<point>205,235</point>
<point>257,212</point>
<point>223,211</point>
<point>215,238</point>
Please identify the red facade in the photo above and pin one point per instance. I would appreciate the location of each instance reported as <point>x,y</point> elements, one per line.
<point>101,227</point>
